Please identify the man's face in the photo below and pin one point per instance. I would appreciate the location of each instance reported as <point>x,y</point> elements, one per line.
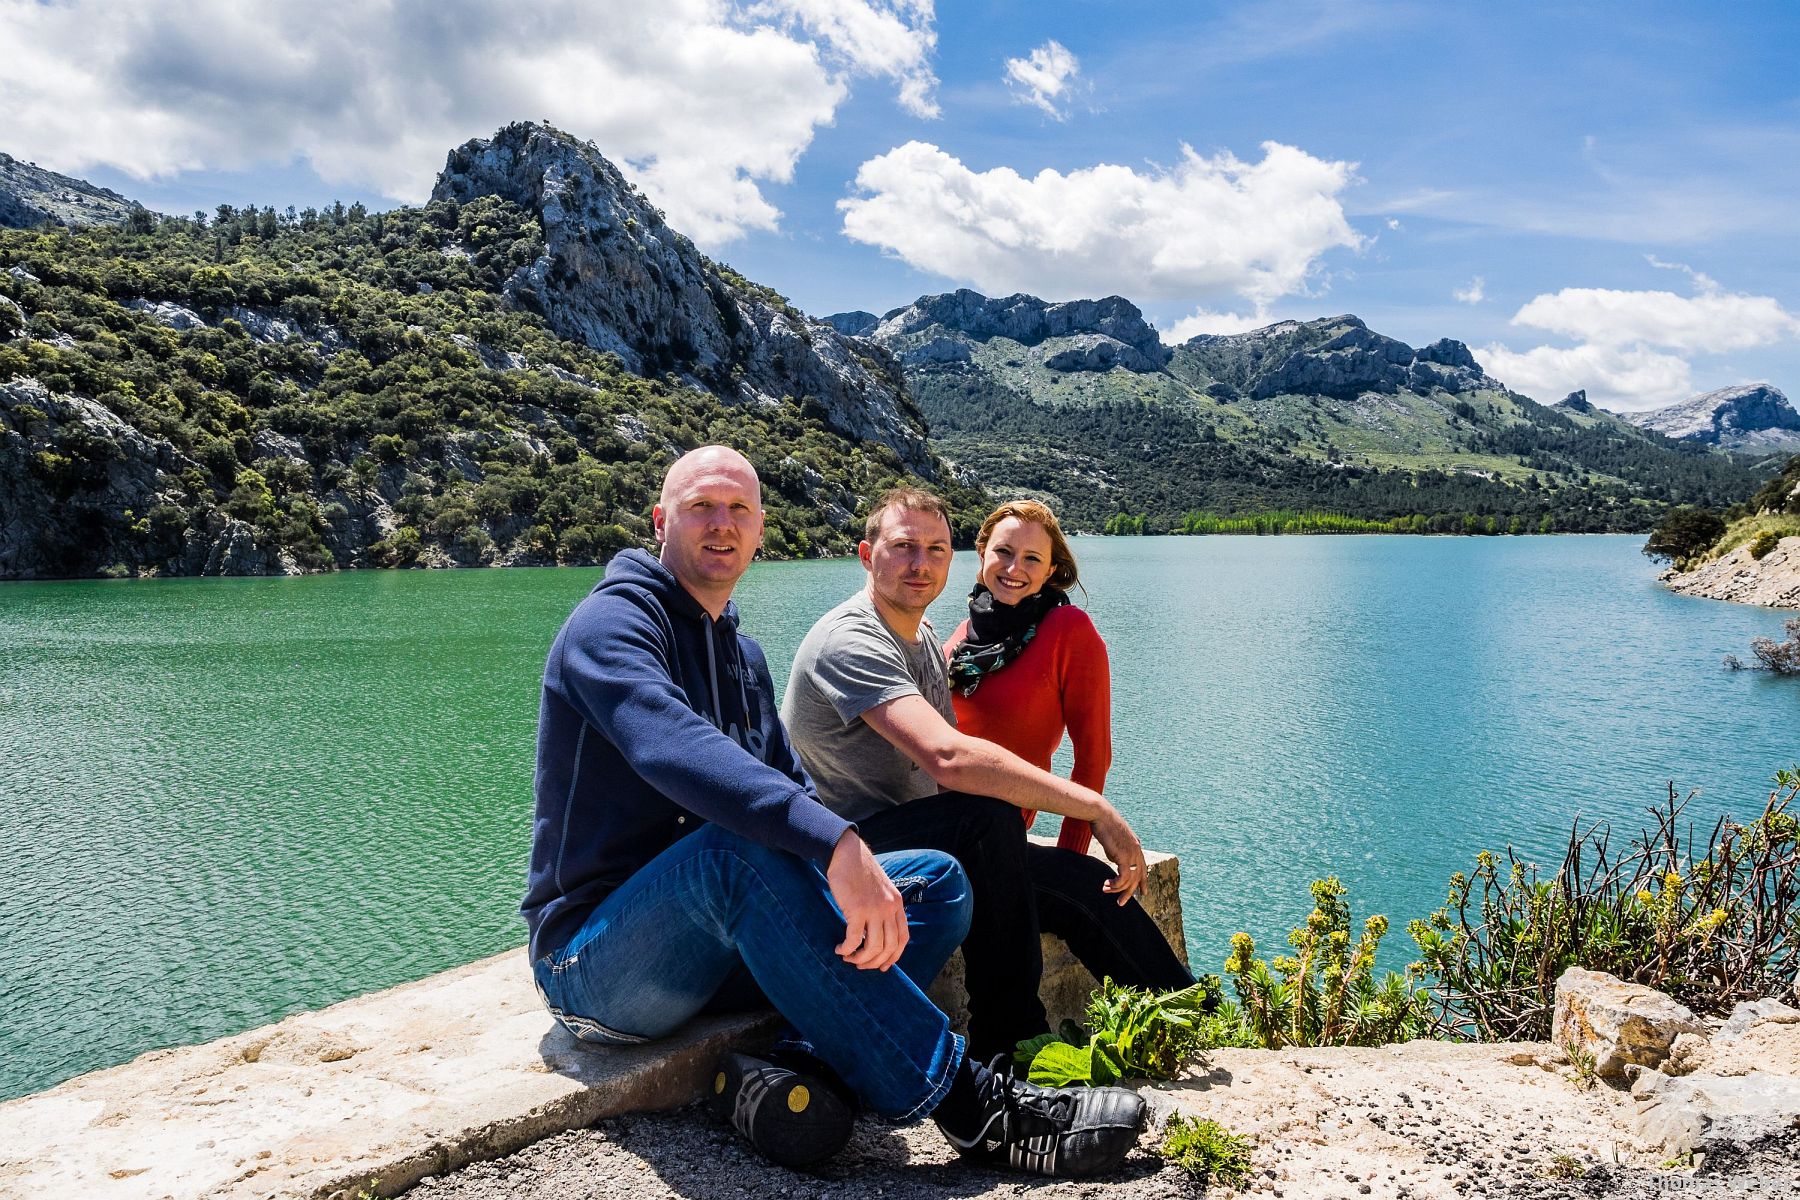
<point>909,560</point>
<point>709,524</point>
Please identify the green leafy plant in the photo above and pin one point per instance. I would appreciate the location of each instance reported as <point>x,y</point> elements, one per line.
<point>1129,1032</point>
<point>1563,1165</point>
<point>1325,993</point>
<point>1207,1150</point>
<point>1710,922</point>
<point>1765,542</point>
<point>1582,1065</point>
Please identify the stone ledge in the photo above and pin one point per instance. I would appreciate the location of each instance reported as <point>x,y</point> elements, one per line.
<point>380,1091</point>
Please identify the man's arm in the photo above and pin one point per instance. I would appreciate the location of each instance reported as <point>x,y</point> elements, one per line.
<point>960,763</point>
<point>613,669</point>
<point>875,929</point>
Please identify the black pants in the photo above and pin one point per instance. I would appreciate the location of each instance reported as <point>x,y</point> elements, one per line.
<point>1020,888</point>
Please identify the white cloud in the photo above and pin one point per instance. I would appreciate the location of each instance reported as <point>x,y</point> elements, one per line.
<point>1205,320</point>
<point>1394,223</point>
<point>1475,293</point>
<point>1617,377</point>
<point>703,101</point>
<point>1206,230</point>
<point>1045,77</point>
<point>1632,343</point>
<point>1711,321</point>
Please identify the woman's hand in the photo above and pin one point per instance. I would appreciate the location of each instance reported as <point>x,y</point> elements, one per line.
<point>1123,850</point>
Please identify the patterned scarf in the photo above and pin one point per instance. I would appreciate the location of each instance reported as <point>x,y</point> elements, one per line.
<point>998,633</point>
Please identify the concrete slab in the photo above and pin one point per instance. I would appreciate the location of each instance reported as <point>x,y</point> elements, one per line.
<point>372,1094</point>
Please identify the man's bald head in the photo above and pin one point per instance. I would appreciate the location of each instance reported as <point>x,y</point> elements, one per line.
<point>709,460</point>
<point>710,522</point>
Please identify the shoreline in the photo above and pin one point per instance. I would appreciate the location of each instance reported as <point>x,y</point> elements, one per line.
<point>1771,582</point>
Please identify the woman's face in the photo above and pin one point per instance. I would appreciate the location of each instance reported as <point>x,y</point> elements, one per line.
<point>1017,561</point>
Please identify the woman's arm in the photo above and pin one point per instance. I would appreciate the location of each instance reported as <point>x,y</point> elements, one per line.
<point>1085,683</point>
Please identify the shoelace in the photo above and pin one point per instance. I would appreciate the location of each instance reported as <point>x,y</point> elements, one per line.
<point>1017,1095</point>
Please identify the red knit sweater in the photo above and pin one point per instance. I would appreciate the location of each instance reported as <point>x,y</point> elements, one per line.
<point>1061,681</point>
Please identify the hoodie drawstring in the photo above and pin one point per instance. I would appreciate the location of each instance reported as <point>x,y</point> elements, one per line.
<point>712,670</point>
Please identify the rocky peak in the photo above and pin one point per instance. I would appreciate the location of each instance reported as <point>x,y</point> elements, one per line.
<point>1748,416</point>
<point>614,275</point>
<point>31,195</point>
<point>1575,401</point>
<point>1333,356</point>
<point>854,324</point>
<point>1031,321</point>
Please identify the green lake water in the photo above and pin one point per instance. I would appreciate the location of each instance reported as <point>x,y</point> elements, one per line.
<point>223,801</point>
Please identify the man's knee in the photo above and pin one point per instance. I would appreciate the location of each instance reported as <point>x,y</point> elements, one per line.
<point>930,877</point>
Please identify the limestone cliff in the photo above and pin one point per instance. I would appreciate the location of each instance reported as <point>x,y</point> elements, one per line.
<point>614,275</point>
<point>1750,417</point>
<point>30,195</point>
<point>1104,333</point>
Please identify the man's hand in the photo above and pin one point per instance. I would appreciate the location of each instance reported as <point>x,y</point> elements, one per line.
<point>1125,852</point>
<point>875,929</point>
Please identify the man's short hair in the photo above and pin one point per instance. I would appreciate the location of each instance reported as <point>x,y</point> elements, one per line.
<point>911,499</point>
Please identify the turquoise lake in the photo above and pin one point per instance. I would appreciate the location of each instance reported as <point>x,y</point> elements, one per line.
<point>228,800</point>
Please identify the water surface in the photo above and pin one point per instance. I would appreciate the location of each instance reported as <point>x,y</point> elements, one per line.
<point>223,801</point>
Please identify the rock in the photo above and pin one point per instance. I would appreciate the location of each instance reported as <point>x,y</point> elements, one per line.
<point>166,312</point>
<point>31,195</point>
<point>70,469</point>
<point>1688,1053</point>
<point>1772,581</point>
<point>614,275</point>
<point>263,327</point>
<point>1751,416</point>
<point>1030,321</point>
<point>1618,1023</point>
<point>1093,352</point>
<point>1749,1013</point>
<point>272,444</point>
<point>938,351</point>
<point>12,319</point>
<point>1685,1115</point>
<point>1450,353</point>
<point>21,274</point>
<point>1576,401</point>
<point>853,324</point>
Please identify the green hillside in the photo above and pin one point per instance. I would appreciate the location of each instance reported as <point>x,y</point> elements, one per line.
<point>267,391</point>
<point>1304,416</point>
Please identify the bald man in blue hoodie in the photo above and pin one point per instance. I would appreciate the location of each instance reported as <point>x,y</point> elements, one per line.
<point>681,861</point>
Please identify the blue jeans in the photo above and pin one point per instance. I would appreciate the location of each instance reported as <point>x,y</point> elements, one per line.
<point>656,951</point>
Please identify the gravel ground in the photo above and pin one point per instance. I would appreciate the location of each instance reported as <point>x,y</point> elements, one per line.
<point>686,1153</point>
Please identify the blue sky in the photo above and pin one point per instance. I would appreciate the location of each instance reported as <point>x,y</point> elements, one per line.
<point>1598,195</point>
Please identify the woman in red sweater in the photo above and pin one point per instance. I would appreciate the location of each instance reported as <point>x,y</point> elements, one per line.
<point>1025,667</point>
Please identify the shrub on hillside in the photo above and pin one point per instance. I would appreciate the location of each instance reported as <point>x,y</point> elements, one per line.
<point>1710,923</point>
<point>1765,542</point>
<point>1684,533</point>
<point>1325,993</point>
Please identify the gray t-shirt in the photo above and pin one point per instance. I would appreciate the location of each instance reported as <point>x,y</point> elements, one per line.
<point>850,662</point>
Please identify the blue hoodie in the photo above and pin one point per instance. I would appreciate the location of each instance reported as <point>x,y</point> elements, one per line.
<point>655,719</point>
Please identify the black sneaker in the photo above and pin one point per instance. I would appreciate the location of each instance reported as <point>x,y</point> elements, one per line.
<point>793,1119</point>
<point>1067,1132</point>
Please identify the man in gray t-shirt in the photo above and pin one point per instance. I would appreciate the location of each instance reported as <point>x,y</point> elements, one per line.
<point>868,710</point>
<point>849,663</point>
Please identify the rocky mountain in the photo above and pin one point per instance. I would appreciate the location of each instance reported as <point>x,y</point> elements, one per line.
<point>1081,402</point>
<point>497,377</point>
<point>614,275</point>
<point>1752,417</point>
<point>31,196</point>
